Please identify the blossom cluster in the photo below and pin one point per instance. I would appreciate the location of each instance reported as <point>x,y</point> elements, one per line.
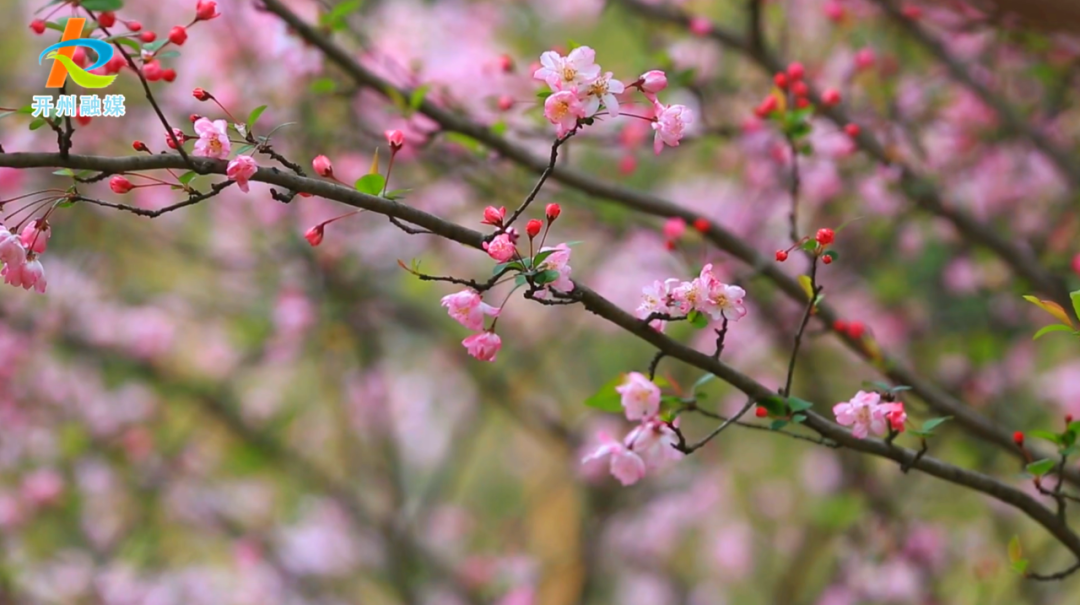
<point>649,446</point>
<point>866,414</point>
<point>19,255</point>
<point>579,89</point>
<point>705,294</point>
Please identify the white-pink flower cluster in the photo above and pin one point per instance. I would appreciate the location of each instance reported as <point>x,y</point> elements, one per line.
<point>579,89</point>
<point>19,255</point>
<point>650,446</point>
<point>866,414</point>
<point>705,294</point>
<point>469,309</point>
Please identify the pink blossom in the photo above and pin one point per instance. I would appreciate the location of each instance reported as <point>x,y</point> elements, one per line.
<point>501,248</point>
<point>241,169</point>
<point>395,138</point>
<point>603,90</point>
<point>494,216</point>
<point>558,261</point>
<point>35,238</point>
<point>640,396</point>
<point>895,414</point>
<point>700,26</point>
<point>865,58</point>
<point>30,274</point>
<point>671,121</point>
<point>561,73</point>
<point>652,82</point>
<point>720,300</point>
<point>42,487</point>
<point>626,466</point>
<point>654,441</point>
<point>213,138</point>
<point>12,251</point>
<point>674,228</point>
<point>483,346</point>
<point>864,414</point>
<point>657,298</point>
<point>468,309</point>
<point>563,109</point>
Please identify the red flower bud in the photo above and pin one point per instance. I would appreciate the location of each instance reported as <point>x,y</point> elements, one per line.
<point>168,75</point>
<point>38,26</point>
<point>107,19</point>
<point>839,325</point>
<point>494,216</point>
<point>194,117</point>
<point>322,167</point>
<point>1068,419</point>
<point>314,236</point>
<point>1018,439</point>
<point>800,89</point>
<point>856,330</point>
<point>506,63</point>
<point>201,94</point>
<point>533,228</point>
<point>552,212</point>
<point>761,412</point>
<point>120,185</point>
<point>781,80</point>
<point>396,138</point>
<point>796,71</point>
<point>148,36</point>
<point>701,224</point>
<point>81,119</point>
<point>826,259</point>
<point>912,12</point>
<point>178,35</point>
<point>505,103</point>
<point>153,71</point>
<point>139,146</point>
<point>802,103</point>
<point>825,236</point>
<point>852,130</point>
<point>669,244</point>
<point>830,97</point>
<point>133,25</point>
<point>781,256</point>
<point>206,10</point>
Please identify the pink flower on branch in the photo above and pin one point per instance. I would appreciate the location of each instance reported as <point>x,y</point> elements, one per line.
<point>640,396</point>
<point>483,346</point>
<point>564,109</point>
<point>501,248</point>
<point>575,69</point>
<point>670,125</point>
<point>626,466</point>
<point>602,90</point>
<point>213,138</point>
<point>864,414</point>
<point>468,309</point>
<point>241,169</point>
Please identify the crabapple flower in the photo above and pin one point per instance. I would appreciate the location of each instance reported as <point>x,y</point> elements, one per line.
<point>552,212</point>
<point>241,169</point>
<point>896,415</point>
<point>654,441</point>
<point>119,184</point>
<point>670,124</point>
<point>30,274</point>
<point>563,109</point>
<point>559,261</point>
<point>494,216</point>
<point>501,248</point>
<point>864,414</point>
<point>640,396</point>
<point>657,298</point>
<point>626,466</point>
<point>533,227</point>
<point>322,166</point>
<point>206,10</point>
<point>603,90</point>
<point>720,300</point>
<point>12,251</point>
<point>674,228</point>
<point>213,138</point>
<point>468,309</point>
<point>35,238</point>
<point>395,138</point>
<point>652,82</point>
<point>562,73</point>
<point>483,346</point>
<point>314,236</point>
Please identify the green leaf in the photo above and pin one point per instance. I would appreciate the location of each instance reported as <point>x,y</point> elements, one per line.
<point>335,19</point>
<point>1015,552</point>
<point>798,418</point>
<point>245,150</point>
<point>396,194</point>
<point>778,424</point>
<point>512,264</point>
<point>774,404</point>
<point>933,423</point>
<point>810,245</point>
<point>1051,328</point>
<point>544,94</point>
<point>1040,467</point>
<point>546,277</point>
<point>607,399</point>
<point>64,172</point>
<point>1074,426</point>
<point>169,54</point>
<point>698,319</point>
<point>65,204</point>
<point>186,177</point>
<point>323,86</point>
<point>417,96</point>
<point>542,256</point>
<point>465,141</point>
<point>1075,297</point>
<point>499,128</point>
<point>125,40</point>
<point>1051,307</point>
<point>1051,437</point>
<point>371,184</point>
<point>102,5</point>
<point>254,116</point>
<point>702,381</point>
<point>798,405</point>
<point>37,123</point>
<point>155,45</point>
<point>1020,566</point>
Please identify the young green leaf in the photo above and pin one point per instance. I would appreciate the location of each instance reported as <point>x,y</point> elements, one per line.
<point>371,184</point>
<point>933,423</point>
<point>102,5</point>
<point>1051,437</point>
<point>798,405</point>
<point>1051,307</point>
<point>778,424</point>
<point>546,277</point>
<point>417,96</point>
<point>1051,328</point>
<point>698,319</point>
<point>607,399</point>
<point>254,116</point>
<point>1040,467</point>
<point>186,177</point>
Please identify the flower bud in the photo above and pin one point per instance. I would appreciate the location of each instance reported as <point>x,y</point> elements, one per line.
<point>148,36</point>
<point>494,216</point>
<point>653,81</point>
<point>796,71</point>
<point>178,35</point>
<point>107,19</point>
<point>206,10</point>
<point>701,224</point>
<point>396,138</point>
<point>314,236</point>
<point>825,236</point>
<point>830,97</point>
<point>38,26</point>
<point>133,25</point>
<point>322,167</point>
<point>139,146</point>
<point>533,228</point>
<point>1018,439</point>
<point>552,212</point>
<point>119,184</point>
<point>201,94</point>
<point>781,255</point>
